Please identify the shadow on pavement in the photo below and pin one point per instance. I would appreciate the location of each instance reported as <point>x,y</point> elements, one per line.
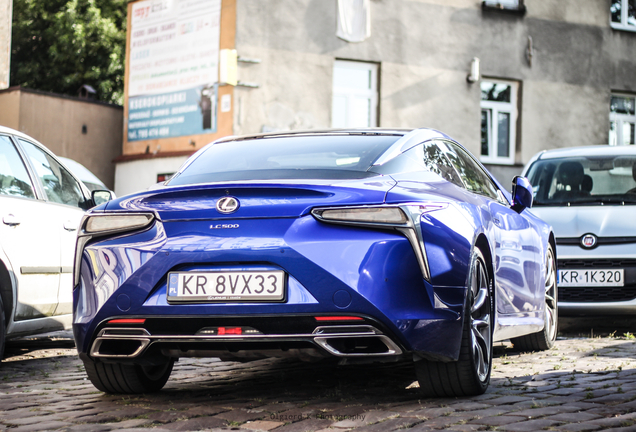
<point>596,326</point>
<point>47,341</point>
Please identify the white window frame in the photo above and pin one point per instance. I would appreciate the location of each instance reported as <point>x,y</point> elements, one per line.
<point>350,93</point>
<point>495,108</point>
<point>623,24</point>
<point>620,119</point>
<point>503,4</point>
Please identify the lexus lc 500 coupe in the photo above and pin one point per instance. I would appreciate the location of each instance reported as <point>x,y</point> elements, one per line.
<point>588,194</point>
<point>41,206</point>
<point>362,245</point>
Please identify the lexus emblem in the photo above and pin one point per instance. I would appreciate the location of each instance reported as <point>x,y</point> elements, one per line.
<point>588,241</point>
<point>227,204</point>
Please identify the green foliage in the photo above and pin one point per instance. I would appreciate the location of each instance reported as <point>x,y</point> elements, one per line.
<point>59,45</point>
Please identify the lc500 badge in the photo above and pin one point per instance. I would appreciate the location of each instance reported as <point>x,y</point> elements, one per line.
<point>224,226</point>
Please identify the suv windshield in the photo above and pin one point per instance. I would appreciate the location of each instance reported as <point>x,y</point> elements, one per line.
<point>584,180</point>
<point>291,157</point>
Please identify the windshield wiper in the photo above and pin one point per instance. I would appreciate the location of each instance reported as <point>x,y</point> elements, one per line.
<point>587,202</point>
<point>617,200</point>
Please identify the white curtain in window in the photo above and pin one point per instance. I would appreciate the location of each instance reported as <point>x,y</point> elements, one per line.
<point>354,20</point>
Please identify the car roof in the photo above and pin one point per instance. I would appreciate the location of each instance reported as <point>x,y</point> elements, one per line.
<point>407,137</point>
<point>18,134</point>
<point>8,130</point>
<point>593,150</point>
<point>317,132</point>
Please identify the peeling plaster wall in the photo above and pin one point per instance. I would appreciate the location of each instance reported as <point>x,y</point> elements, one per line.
<point>424,49</point>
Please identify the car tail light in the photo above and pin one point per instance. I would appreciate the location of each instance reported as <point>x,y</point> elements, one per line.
<point>106,223</point>
<point>404,218</point>
<point>127,321</point>
<point>374,215</point>
<point>338,318</point>
<point>221,331</point>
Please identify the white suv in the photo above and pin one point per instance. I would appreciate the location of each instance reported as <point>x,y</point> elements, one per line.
<point>41,205</point>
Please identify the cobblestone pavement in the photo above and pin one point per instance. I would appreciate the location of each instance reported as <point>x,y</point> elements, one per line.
<point>583,384</point>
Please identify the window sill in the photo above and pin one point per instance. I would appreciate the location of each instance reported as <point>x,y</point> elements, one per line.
<point>498,7</point>
<point>623,27</point>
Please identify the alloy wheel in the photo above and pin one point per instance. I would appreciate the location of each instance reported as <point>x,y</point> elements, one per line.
<point>481,321</point>
<point>550,297</point>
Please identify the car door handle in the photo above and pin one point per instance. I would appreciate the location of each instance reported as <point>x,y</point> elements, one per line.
<point>70,226</point>
<point>11,220</point>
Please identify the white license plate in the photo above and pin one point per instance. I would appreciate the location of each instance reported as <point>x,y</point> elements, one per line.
<point>227,286</point>
<point>614,277</point>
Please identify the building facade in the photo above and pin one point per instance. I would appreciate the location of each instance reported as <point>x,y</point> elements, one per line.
<point>504,78</point>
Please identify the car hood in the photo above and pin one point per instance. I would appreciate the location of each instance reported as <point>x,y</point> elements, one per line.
<point>602,221</point>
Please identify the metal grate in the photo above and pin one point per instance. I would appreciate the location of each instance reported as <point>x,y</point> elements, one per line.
<point>599,263</point>
<point>596,294</point>
<point>596,263</point>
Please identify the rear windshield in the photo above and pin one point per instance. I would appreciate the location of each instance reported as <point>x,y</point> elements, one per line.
<point>584,180</point>
<point>279,158</point>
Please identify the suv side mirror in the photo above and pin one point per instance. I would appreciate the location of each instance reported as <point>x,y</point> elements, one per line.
<point>101,196</point>
<point>521,194</point>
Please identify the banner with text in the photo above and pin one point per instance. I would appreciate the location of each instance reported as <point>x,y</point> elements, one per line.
<point>173,68</point>
<point>186,112</point>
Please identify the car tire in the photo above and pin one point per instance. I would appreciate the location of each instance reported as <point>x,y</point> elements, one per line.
<point>470,374</point>
<point>119,378</point>
<point>3,329</point>
<point>544,339</point>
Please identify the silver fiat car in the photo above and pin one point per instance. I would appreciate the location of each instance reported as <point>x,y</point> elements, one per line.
<point>588,195</point>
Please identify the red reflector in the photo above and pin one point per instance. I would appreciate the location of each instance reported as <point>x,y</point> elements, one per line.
<point>338,318</point>
<point>127,321</point>
<point>231,330</point>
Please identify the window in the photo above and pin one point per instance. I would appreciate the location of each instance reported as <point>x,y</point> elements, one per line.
<point>498,121</point>
<point>623,14</point>
<point>424,157</point>
<point>14,179</point>
<point>512,6</point>
<point>503,4</point>
<point>339,156</point>
<point>474,177</point>
<point>622,120</point>
<point>598,180</point>
<point>59,186</point>
<point>355,95</point>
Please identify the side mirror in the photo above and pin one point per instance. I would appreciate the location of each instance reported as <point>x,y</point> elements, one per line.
<point>101,196</point>
<point>521,194</point>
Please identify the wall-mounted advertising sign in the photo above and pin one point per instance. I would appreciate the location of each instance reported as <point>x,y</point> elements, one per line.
<point>173,68</point>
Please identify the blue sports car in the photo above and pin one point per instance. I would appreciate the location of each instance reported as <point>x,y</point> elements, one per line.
<point>361,245</point>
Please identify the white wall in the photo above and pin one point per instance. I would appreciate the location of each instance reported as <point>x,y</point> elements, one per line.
<point>139,175</point>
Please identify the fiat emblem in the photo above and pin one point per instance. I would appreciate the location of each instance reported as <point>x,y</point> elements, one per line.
<point>227,204</point>
<point>588,241</point>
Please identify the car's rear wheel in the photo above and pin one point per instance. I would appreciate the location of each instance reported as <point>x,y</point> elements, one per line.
<point>470,374</point>
<point>544,339</point>
<point>128,378</point>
